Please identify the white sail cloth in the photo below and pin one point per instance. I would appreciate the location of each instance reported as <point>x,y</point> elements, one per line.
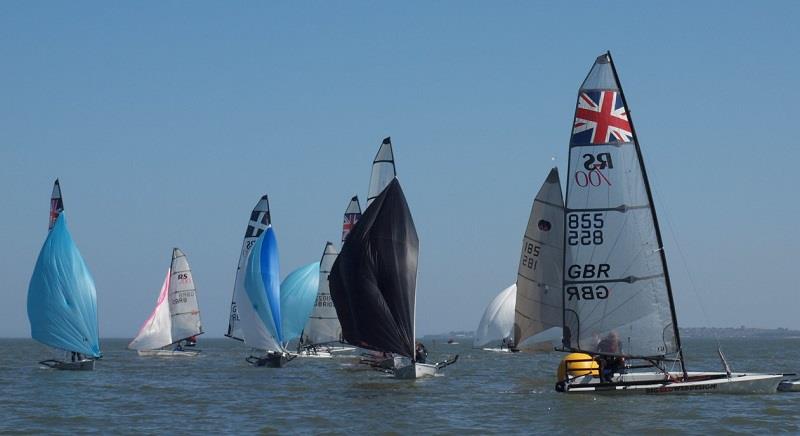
<point>498,318</point>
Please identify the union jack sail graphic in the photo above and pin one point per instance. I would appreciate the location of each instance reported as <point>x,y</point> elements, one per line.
<point>601,118</point>
<point>351,216</point>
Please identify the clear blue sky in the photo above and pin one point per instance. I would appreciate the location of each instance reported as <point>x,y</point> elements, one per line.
<point>167,120</point>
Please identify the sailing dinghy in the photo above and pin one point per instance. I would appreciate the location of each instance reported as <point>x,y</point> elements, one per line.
<point>261,324</point>
<point>175,322</point>
<point>323,329</point>
<point>497,323</point>
<point>62,300</point>
<point>537,310</point>
<point>373,283</point>
<point>619,321</point>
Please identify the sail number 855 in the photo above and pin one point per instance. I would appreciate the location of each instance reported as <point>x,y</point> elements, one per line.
<point>585,228</point>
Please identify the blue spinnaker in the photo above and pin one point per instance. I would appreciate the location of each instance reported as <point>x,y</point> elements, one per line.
<point>298,295</point>
<point>62,301</point>
<point>262,283</point>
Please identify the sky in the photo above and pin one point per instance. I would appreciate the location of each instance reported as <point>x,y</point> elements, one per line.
<point>166,121</point>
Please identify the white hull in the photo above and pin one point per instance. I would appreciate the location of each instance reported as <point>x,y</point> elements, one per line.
<point>789,386</point>
<point>497,350</point>
<point>318,354</point>
<point>81,365</point>
<point>168,353</point>
<point>340,349</point>
<point>415,371</point>
<point>699,382</point>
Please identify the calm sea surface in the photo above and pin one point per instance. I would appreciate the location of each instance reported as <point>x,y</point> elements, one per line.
<point>484,392</point>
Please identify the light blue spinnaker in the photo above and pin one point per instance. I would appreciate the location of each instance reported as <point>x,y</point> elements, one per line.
<point>298,295</point>
<point>262,286</point>
<point>62,301</point>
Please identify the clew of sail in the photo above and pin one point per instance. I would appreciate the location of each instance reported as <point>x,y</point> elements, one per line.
<point>62,300</point>
<point>617,298</point>
<point>373,280</point>
<point>156,332</point>
<point>298,294</point>
<point>56,204</point>
<point>538,312</point>
<point>261,325</point>
<point>383,170</point>
<point>259,220</point>
<point>183,308</point>
<point>498,318</point>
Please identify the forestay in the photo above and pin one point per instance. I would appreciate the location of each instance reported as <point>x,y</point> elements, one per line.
<point>373,281</point>
<point>498,318</point>
<point>538,312</point>
<point>617,298</point>
<point>183,307</point>
<point>383,170</point>
<point>298,294</point>
<point>62,300</point>
<point>259,220</point>
<point>261,325</point>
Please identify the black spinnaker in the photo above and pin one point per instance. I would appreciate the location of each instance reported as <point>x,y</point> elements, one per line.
<point>373,281</point>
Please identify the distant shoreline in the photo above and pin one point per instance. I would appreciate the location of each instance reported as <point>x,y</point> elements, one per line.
<point>686,332</point>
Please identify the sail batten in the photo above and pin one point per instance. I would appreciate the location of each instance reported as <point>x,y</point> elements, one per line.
<point>616,295</point>
<point>259,220</point>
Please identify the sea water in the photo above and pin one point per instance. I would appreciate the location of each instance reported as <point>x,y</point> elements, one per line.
<point>218,392</point>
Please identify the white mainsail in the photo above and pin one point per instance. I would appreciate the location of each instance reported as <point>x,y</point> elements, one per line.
<point>177,315</point>
<point>259,220</point>
<point>323,324</point>
<point>383,170</point>
<point>183,307</point>
<point>538,311</point>
<point>498,318</point>
<point>616,288</point>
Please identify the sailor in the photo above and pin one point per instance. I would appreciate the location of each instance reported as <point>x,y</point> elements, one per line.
<point>610,364</point>
<point>420,354</point>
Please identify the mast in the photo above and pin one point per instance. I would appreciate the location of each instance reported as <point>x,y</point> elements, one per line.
<point>655,219</point>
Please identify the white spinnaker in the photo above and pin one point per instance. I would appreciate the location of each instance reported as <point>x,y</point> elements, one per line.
<point>383,170</point>
<point>538,305</point>
<point>259,220</point>
<point>614,279</point>
<point>323,324</point>
<point>183,307</point>
<point>498,318</point>
<point>156,332</point>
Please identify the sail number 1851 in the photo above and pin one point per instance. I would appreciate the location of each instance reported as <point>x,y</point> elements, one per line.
<point>530,253</point>
<point>585,228</point>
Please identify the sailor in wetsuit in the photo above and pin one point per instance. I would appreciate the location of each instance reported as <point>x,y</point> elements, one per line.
<point>420,354</point>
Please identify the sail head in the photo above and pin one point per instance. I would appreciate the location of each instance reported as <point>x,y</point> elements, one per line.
<point>351,216</point>
<point>373,280</point>
<point>56,204</point>
<point>383,170</point>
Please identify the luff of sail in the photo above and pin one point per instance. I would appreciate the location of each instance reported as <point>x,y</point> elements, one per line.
<point>62,300</point>
<point>156,332</point>
<point>183,308</point>
<point>617,297</point>
<point>538,312</point>
<point>259,220</point>
<point>373,281</point>
<point>298,294</point>
<point>261,324</point>
<point>56,204</point>
<point>497,321</point>
<point>383,170</point>
<point>323,324</point>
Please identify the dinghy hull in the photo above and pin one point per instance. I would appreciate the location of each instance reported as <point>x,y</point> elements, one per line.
<point>789,386</point>
<point>270,360</point>
<point>415,371</point>
<point>655,383</point>
<point>81,365</point>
